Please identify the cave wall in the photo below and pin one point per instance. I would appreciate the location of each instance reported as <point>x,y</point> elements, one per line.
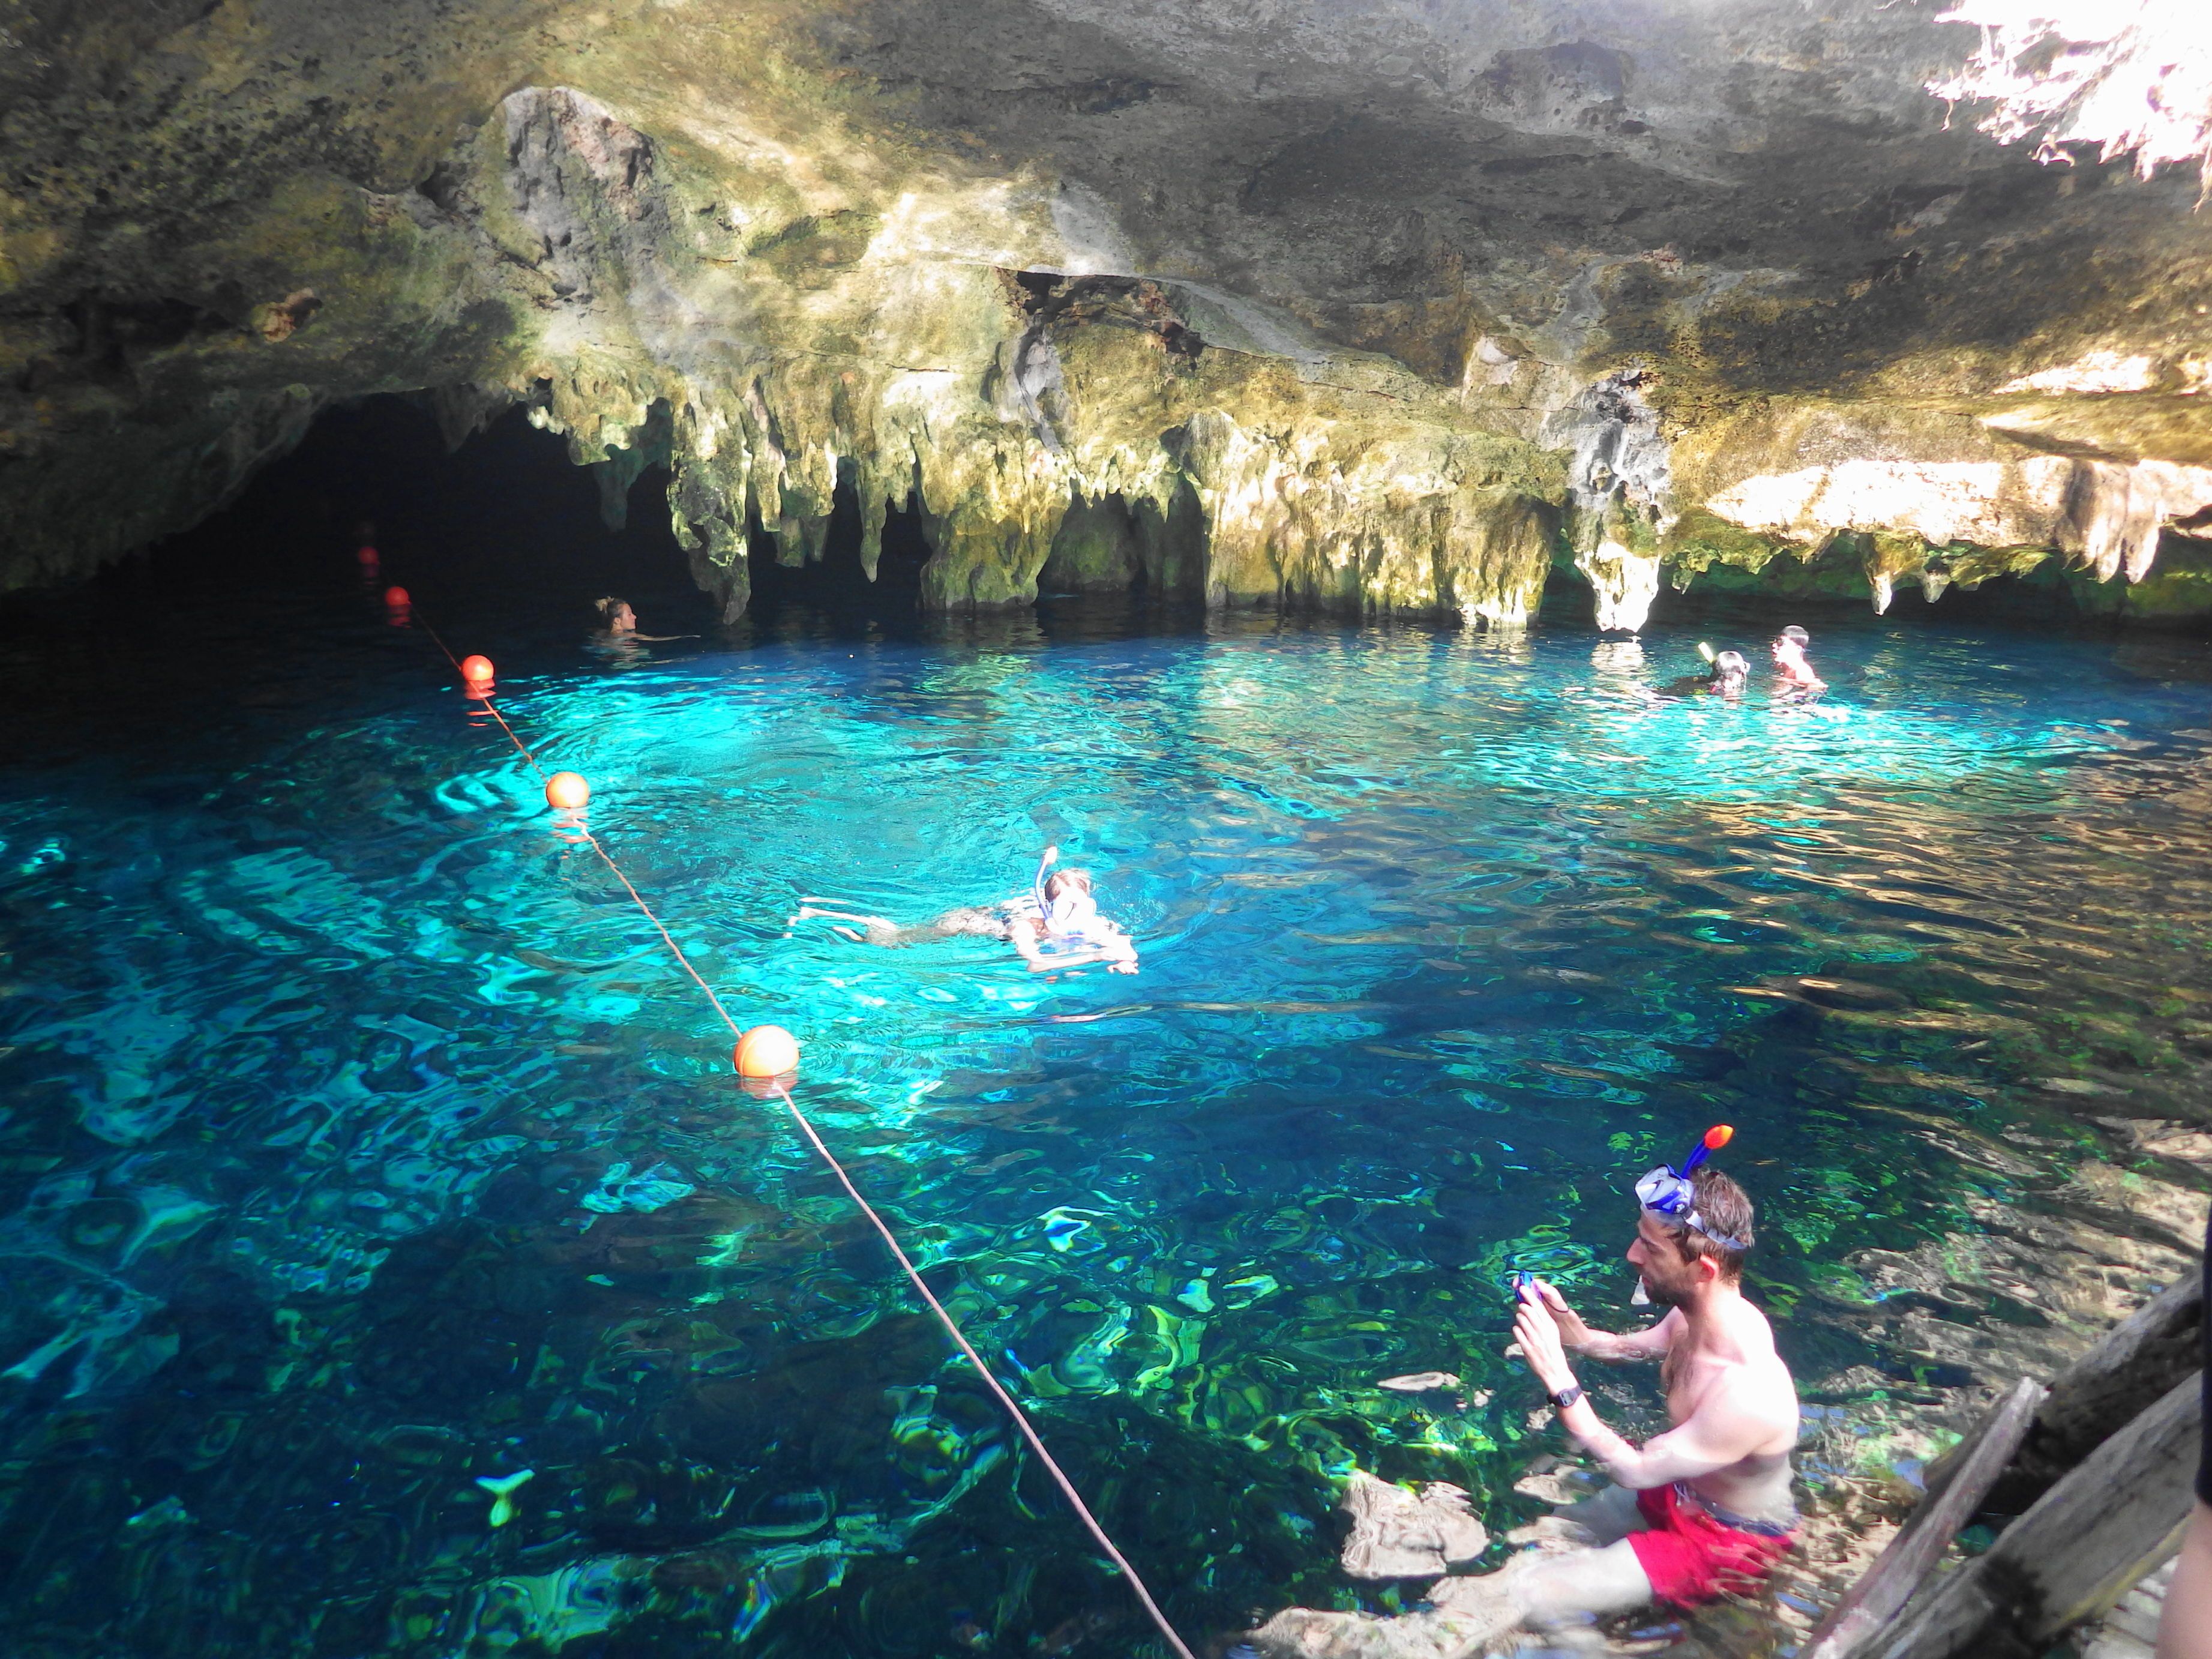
<point>1373,307</point>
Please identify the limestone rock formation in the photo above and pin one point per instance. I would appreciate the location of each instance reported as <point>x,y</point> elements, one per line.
<point>1379,307</point>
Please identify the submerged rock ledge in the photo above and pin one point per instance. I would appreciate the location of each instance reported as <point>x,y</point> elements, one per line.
<point>1365,309</point>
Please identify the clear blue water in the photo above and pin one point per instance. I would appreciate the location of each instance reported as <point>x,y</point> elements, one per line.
<point>362,1144</point>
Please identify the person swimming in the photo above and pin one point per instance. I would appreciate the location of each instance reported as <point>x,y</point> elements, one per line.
<point>1793,667</point>
<point>1064,929</point>
<point>1055,925</point>
<point>1724,677</point>
<point>622,624</point>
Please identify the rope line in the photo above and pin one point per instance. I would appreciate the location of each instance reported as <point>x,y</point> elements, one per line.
<point>890,1241</point>
<point>1020,1417</point>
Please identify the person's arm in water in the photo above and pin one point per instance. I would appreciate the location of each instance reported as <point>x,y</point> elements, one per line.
<point>1731,1423</point>
<point>1650,1343</point>
<point>1026,935</point>
<point>1118,952</point>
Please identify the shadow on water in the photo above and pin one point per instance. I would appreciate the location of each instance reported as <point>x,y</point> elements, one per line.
<point>362,1149</point>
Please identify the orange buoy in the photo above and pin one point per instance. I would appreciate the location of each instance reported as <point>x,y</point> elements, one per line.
<point>567,790</point>
<point>476,668</point>
<point>397,598</point>
<point>767,1051</point>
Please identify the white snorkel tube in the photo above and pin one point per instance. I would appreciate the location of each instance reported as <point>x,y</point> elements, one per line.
<point>1036,886</point>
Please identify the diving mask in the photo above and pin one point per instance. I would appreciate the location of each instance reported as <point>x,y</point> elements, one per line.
<point>1668,1192</point>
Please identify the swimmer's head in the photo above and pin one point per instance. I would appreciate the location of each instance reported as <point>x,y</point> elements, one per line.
<point>620,619</point>
<point>1068,905</point>
<point>1730,671</point>
<point>1062,883</point>
<point>1790,644</point>
<point>1670,1250</point>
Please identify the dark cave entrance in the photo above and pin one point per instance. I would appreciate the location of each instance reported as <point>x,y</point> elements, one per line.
<point>836,583</point>
<point>1111,546</point>
<point>503,525</point>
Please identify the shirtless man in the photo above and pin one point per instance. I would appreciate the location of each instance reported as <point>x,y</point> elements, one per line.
<point>1793,666</point>
<point>1705,1506</point>
<point>1702,1508</point>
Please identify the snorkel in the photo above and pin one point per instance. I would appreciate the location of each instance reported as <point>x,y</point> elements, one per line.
<point>1036,884</point>
<point>1668,1194</point>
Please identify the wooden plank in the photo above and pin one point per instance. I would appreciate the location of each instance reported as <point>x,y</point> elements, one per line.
<point>1882,1591</point>
<point>2075,1553</point>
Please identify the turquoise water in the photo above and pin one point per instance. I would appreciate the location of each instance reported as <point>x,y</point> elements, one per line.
<point>362,1145</point>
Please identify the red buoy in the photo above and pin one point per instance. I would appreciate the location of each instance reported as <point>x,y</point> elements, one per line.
<point>767,1051</point>
<point>397,598</point>
<point>476,668</point>
<point>567,790</point>
<point>368,558</point>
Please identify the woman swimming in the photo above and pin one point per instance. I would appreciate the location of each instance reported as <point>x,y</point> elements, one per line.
<point>1055,925</point>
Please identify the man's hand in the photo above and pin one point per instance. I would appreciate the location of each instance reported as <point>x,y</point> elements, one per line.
<point>1538,1332</point>
<point>1574,1335</point>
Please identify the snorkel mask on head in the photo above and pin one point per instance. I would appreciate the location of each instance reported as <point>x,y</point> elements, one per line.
<point>1668,1192</point>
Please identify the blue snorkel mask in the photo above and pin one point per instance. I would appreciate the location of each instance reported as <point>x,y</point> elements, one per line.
<point>1668,1192</point>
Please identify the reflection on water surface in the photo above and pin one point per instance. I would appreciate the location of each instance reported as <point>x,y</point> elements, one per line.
<point>363,1151</point>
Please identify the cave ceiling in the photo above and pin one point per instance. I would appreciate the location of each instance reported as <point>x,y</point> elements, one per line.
<point>1409,299</point>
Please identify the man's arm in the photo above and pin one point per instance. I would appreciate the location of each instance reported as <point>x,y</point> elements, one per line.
<point>1725,1429</point>
<point>1719,1433</point>
<point>1650,1343</point>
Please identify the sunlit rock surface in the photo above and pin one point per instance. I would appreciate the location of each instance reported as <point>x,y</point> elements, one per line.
<point>1379,307</point>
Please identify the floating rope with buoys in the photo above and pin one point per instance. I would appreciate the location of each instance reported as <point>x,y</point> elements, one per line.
<point>767,1057</point>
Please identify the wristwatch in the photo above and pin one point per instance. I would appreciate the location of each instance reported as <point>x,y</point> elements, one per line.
<point>1567,1396</point>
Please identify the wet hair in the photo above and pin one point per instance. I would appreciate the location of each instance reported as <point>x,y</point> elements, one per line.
<point>1060,881</point>
<point>1730,666</point>
<point>1796,635</point>
<point>609,605</point>
<point>1726,1208</point>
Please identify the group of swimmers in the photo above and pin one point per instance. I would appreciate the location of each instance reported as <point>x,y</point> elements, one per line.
<point>1699,1512</point>
<point>1695,1513</point>
<point>1057,924</point>
<point>1728,671</point>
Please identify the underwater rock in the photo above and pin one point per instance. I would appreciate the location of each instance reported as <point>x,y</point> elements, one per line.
<point>1397,1534</point>
<point>1420,1382</point>
<point>1440,1634</point>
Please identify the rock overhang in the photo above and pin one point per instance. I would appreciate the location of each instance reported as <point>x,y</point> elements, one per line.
<point>1403,295</point>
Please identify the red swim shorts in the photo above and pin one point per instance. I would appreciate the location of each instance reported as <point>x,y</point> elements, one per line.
<point>1691,1558</point>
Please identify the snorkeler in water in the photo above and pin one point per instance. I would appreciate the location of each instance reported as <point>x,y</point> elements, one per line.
<point>1794,668</point>
<point>1724,677</point>
<point>1055,925</point>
